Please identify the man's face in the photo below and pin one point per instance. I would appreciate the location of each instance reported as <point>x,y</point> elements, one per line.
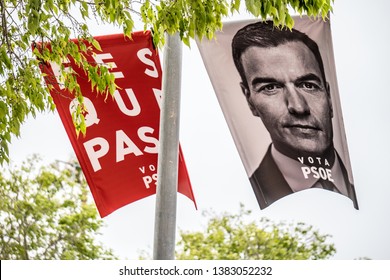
<point>286,90</point>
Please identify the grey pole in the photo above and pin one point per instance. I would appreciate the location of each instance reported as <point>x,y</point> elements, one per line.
<point>166,199</point>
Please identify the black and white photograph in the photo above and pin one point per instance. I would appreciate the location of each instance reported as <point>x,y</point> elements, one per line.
<point>281,103</point>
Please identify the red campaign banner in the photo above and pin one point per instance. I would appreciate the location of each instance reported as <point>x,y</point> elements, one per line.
<point>118,154</point>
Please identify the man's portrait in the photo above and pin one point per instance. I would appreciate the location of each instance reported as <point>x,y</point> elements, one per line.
<point>283,82</point>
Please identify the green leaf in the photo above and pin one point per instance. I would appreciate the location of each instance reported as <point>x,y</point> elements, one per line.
<point>5,58</point>
<point>3,110</point>
<point>96,45</point>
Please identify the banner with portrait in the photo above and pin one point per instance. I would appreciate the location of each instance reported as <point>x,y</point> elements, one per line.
<point>118,154</point>
<point>278,92</point>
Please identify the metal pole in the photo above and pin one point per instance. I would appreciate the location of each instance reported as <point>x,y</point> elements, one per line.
<point>166,199</point>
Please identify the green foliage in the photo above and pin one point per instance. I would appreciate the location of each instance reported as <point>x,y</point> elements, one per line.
<point>229,237</point>
<point>22,91</point>
<point>46,214</point>
<point>202,18</point>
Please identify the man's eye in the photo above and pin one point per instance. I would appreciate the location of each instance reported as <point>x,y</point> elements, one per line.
<point>309,86</point>
<point>269,88</point>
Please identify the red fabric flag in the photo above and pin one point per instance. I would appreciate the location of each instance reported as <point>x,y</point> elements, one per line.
<point>118,154</point>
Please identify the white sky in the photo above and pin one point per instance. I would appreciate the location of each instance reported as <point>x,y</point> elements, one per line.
<point>219,180</point>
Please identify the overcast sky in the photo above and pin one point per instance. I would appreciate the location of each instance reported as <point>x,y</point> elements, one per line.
<point>218,177</point>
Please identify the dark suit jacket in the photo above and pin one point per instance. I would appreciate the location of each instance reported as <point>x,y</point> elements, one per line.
<point>269,184</point>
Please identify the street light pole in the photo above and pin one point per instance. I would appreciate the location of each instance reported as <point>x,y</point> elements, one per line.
<point>166,197</point>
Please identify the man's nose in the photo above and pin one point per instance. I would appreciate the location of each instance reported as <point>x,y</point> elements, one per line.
<point>296,102</point>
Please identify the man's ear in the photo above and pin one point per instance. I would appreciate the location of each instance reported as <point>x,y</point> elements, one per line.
<point>329,99</point>
<point>247,94</point>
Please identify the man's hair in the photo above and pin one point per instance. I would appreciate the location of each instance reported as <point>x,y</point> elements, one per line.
<point>263,34</point>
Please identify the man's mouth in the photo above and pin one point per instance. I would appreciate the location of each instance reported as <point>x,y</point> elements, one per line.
<point>302,126</point>
<point>305,130</point>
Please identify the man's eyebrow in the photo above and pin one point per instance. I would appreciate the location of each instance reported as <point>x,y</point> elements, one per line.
<point>303,78</point>
<point>261,80</point>
<point>309,77</point>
